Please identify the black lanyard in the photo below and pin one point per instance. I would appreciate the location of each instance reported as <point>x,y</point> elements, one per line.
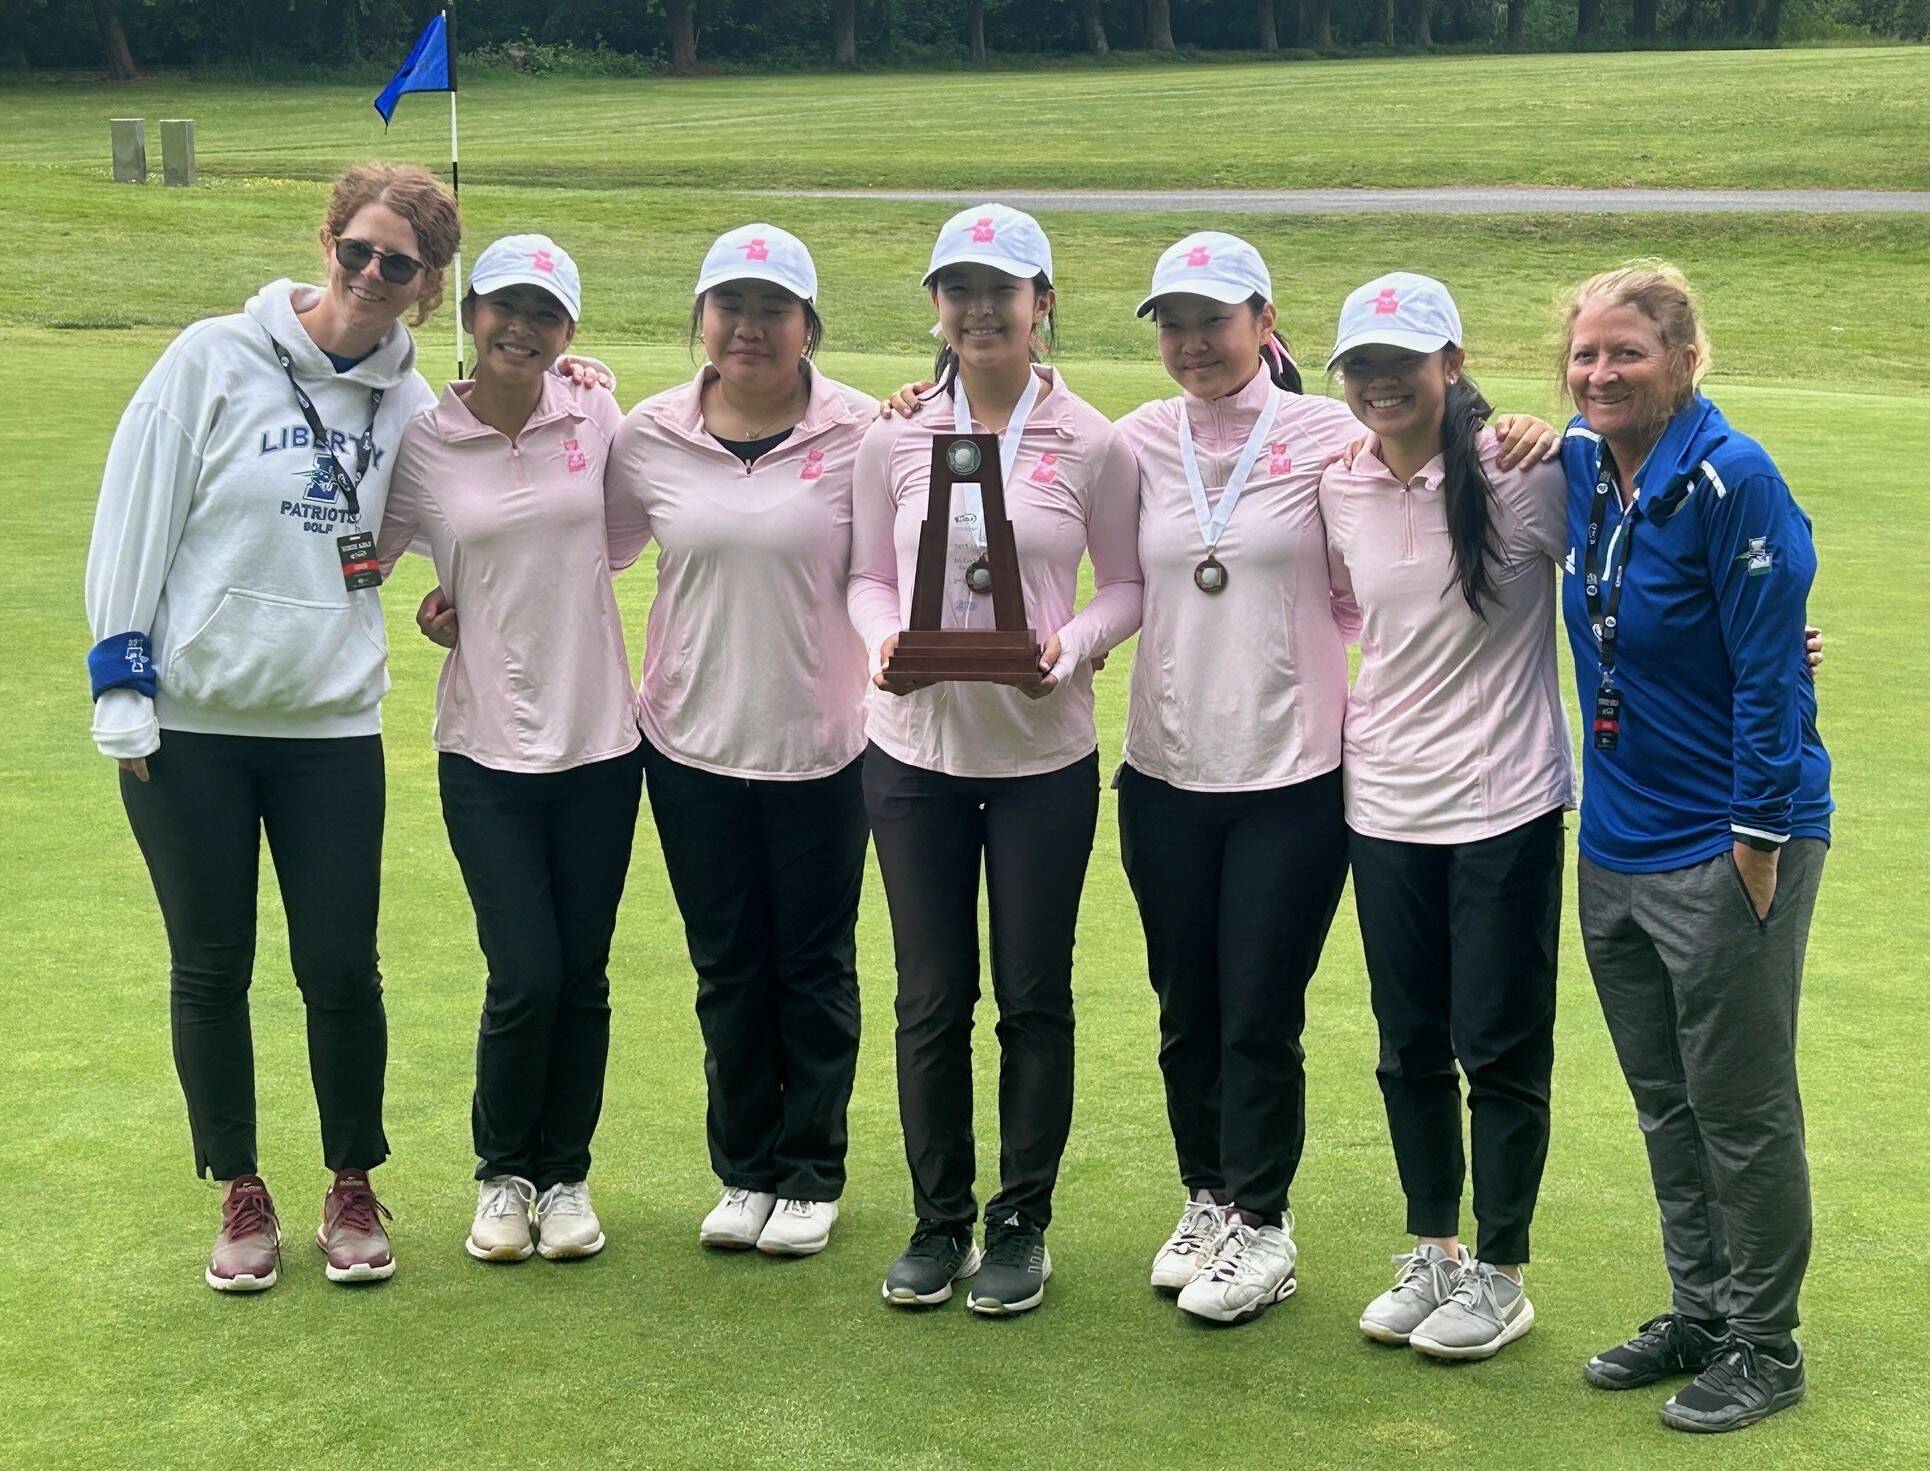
<point>364,447</point>
<point>1602,614</point>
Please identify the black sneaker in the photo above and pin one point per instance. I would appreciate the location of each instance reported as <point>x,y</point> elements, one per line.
<point>1661,1348</point>
<point>1012,1279</point>
<point>1746,1383</point>
<point>938,1254</point>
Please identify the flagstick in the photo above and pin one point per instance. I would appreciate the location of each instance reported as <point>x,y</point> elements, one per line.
<point>455,183</point>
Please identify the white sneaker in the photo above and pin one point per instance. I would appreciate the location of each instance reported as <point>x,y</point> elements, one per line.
<point>1425,1278</point>
<point>500,1232</point>
<point>737,1220</point>
<point>798,1228</point>
<point>1186,1251</point>
<point>566,1223</point>
<point>1251,1269</point>
<point>1485,1311</point>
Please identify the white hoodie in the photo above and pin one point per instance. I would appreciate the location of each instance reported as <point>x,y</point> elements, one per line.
<point>215,536</point>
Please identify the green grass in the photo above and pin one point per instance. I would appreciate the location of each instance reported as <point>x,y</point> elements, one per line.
<point>1717,118</point>
<point>112,1354</point>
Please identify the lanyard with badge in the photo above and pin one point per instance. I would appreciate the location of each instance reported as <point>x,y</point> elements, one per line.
<point>1603,612</point>
<point>1210,575</point>
<point>978,576</point>
<point>360,568</point>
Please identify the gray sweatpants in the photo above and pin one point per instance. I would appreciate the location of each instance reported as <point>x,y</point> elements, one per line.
<point>1700,998</point>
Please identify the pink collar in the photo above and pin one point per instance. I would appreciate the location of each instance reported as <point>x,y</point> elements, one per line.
<point>454,421</point>
<point>683,410</point>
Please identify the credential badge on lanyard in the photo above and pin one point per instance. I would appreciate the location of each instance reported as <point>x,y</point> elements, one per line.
<point>1603,613</point>
<point>360,568</point>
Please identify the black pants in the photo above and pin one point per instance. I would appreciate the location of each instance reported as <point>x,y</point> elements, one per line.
<point>1236,892</point>
<point>1034,834</point>
<point>544,856</point>
<point>767,875</point>
<point>199,819</point>
<point>1461,941</point>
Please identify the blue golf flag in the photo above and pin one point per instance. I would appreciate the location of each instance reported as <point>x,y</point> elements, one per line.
<point>429,68</point>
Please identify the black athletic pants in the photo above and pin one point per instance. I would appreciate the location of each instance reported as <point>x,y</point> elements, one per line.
<point>1236,892</point>
<point>767,875</point>
<point>1461,941</point>
<point>1034,835</point>
<point>544,856</point>
<point>199,819</point>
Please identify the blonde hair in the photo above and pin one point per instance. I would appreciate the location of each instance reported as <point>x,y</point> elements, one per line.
<point>1660,292</point>
<point>413,193</point>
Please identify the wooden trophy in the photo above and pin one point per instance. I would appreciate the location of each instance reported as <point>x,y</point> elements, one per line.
<point>927,653</point>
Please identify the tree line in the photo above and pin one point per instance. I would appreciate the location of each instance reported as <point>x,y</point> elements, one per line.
<point>690,35</point>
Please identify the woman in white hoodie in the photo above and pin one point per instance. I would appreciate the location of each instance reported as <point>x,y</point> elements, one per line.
<point>238,675</point>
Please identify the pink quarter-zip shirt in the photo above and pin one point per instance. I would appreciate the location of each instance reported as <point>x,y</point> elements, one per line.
<point>1074,490</point>
<point>750,665</point>
<point>1244,689</point>
<point>1455,729</point>
<point>538,679</point>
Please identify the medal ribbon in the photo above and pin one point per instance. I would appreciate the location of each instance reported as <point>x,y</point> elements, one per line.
<point>1008,445</point>
<point>1213,522</point>
<point>364,447</point>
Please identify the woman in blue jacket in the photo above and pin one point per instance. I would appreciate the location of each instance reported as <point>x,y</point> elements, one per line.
<point>1704,824</point>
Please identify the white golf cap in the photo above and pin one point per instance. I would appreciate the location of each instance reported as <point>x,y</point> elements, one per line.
<point>994,235</point>
<point>760,252</point>
<point>1213,264</point>
<point>529,260</point>
<point>1399,309</point>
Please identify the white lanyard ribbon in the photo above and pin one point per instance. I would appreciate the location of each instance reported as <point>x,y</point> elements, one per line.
<point>1008,445</point>
<point>1213,522</point>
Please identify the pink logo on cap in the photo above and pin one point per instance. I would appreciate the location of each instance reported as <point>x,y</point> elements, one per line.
<point>813,465</point>
<point>1387,303</point>
<point>1279,462</point>
<point>540,259</point>
<point>983,232</point>
<point>1042,472</point>
<point>756,250</point>
<point>1197,256</point>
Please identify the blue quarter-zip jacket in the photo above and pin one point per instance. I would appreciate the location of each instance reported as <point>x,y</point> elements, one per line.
<point>1718,723</point>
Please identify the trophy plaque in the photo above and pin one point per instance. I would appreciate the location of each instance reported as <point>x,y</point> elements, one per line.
<point>1007,653</point>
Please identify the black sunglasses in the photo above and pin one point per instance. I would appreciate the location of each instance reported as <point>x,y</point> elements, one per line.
<point>354,256</point>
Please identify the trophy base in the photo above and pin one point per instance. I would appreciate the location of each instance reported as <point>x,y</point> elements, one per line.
<point>985,656</point>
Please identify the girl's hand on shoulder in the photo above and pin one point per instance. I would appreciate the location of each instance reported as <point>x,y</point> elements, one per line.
<point>436,617</point>
<point>904,403</point>
<point>1526,440</point>
<point>585,372</point>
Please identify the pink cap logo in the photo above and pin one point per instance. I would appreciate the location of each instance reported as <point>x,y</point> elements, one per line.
<point>1197,256</point>
<point>1279,462</point>
<point>1042,472</point>
<point>540,259</point>
<point>1387,303</point>
<point>983,232</point>
<point>813,465</point>
<point>756,250</point>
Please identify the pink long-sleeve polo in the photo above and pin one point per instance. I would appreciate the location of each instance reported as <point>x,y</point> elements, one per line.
<point>538,679</point>
<point>1455,729</point>
<point>750,665</point>
<point>1243,689</point>
<point>1073,490</point>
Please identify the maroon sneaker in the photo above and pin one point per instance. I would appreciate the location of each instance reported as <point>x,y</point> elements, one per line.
<point>247,1248</point>
<point>351,1234</point>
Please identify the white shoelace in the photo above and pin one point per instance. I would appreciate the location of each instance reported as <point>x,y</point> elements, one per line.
<point>1424,1274</point>
<point>799,1207</point>
<point>1199,1227</point>
<point>735,1196</point>
<point>568,1199</point>
<point>506,1195</point>
<point>1473,1283</point>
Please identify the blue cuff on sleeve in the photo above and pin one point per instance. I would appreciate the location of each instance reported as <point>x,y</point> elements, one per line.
<point>122,661</point>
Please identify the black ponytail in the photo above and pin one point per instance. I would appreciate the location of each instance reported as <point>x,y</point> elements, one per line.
<point>1275,356</point>
<point>944,367</point>
<point>1467,493</point>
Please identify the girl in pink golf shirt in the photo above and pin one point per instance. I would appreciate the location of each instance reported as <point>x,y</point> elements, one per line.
<point>1457,771</point>
<point>752,709</point>
<point>960,773</point>
<point>536,729</point>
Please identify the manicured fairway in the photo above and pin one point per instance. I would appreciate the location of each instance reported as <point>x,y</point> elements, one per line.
<point>112,1354</point>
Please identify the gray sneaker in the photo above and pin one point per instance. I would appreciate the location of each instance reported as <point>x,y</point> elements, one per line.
<point>1421,1286</point>
<point>1484,1312</point>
